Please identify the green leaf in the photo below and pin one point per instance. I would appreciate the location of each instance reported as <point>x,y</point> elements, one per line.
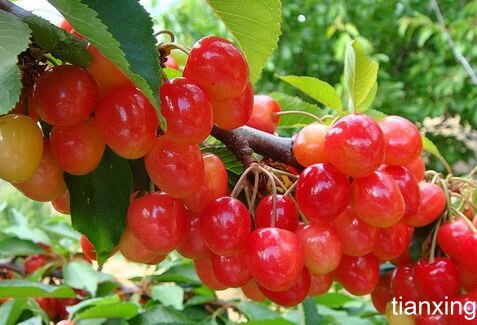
<point>12,246</point>
<point>99,202</point>
<point>376,115</point>
<point>317,89</point>
<point>169,295</point>
<point>93,302</point>
<point>364,106</point>
<point>81,275</point>
<point>180,274</point>
<point>257,311</point>
<point>430,147</point>
<point>334,299</point>
<point>124,35</point>
<point>58,42</point>
<point>35,320</point>
<point>255,24</point>
<point>11,311</point>
<point>360,74</point>
<point>14,38</point>
<point>114,310</point>
<point>228,158</point>
<point>161,315</point>
<point>26,289</point>
<point>276,321</point>
<point>310,312</point>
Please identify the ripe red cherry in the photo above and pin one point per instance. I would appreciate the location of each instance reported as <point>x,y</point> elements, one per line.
<point>34,262</point>
<point>231,113</point>
<point>437,280</point>
<point>430,319</point>
<point>404,285</point>
<point>322,192</point>
<point>79,148</point>
<point>356,236</point>
<point>225,226</point>
<point>171,63</point>
<point>320,284</point>
<point>128,122</point>
<point>383,293</point>
<point>391,242</point>
<point>203,268</point>
<point>286,213</point>
<point>358,275</point>
<point>292,296</point>
<point>467,278</point>
<point>218,67</point>
<point>451,235</point>
<point>133,250</point>
<point>88,249</point>
<point>62,203</point>
<point>431,206</point>
<point>214,185</point>
<point>232,271</point>
<point>355,145</point>
<point>158,221</point>
<point>408,186</point>
<point>263,114</point>
<point>24,107</point>
<point>321,247</point>
<point>49,306</point>
<point>417,168</point>
<point>65,95</point>
<point>309,145</point>
<point>187,111</point>
<point>468,302</point>
<point>252,292</point>
<point>377,200</point>
<point>193,245</point>
<point>469,249</point>
<point>177,169</point>
<point>275,258</point>
<point>402,138</point>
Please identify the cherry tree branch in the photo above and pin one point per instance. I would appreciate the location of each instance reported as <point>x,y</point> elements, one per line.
<point>12,8</point>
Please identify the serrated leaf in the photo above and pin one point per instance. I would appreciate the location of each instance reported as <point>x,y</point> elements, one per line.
<point>99,202</point>
<point>14,38</point>
<point>12,246</point>
<point>364,106</point>
<point>360,74</point>
<point>228,158</point>
<point>317,89</point>
<point>115,310</point>
<point>257,26</point>
<point>11,310</point>
<point>169,295</point>
<point>124,35</point>
<point>81,275</point>
<point>26,289</point>
<point>161,315</point>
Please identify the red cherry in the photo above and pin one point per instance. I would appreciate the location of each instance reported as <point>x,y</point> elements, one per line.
<point>377,200</point>
<point>61,305</point>
<point>232,271</point>
<point>252,292</point>
<point>203,268</point>
<point>171,63</point>
<point>466,316</point>
<point>404,285</point>
<point>431,206</point>
<point>320,284</point>
<point>177,169</point>
<point>158,221</point>
<point>450,237</point>
<point>193,245</point>
<point>321,247</point>
<point>436,280</point>
<point>49,306</point>
<point>391,242</point>
<point>231,113</point>
<point>383,293</point>
<point>403,140</point>
<point>404,258</point>
<point>322,193</point>
<point>430,319</point>
<point>24,107</point>
<point>225,226</point>
<point>88,249</point>
<point>133,250</point>
<point>263,114</point>
<point>355,145</point>
<point>275,258</point>
<point>214,185</point>
<point>187,111</point>
<point>64,95</point>
<point>292,296</point>
<point>34,262</point>
<point>127,121</point>
<point>417,168</point>
<point>62,203</point>
<point>309,145</point>
<point>467,278</point>
<point>286,213</point>
<point>358,275</point>
<point>218,67</point>
<point>469,250</point>
<point>356,236</point>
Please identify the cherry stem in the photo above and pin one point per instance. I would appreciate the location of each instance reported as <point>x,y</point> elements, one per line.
<point>255,190</point>
<point>167,47</point>
<point>287,193</point>
<point>443,185</point>
<point>279,171</point>
<point>473,172</point>
<point>274,195</point>
<point>152,187</point>
<point>239,186</point>
<point>434,241</point>
<point>251,211</point>
<point>167,32</point>
<point>464,200</point>
<point>466,220</point>
<point>463,180</point>
<point>313,116</point>
<point>291,188</point>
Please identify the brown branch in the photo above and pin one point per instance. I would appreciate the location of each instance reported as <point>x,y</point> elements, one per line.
<point>12,8</point>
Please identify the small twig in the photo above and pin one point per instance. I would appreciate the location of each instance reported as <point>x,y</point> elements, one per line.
<point>12,8</point>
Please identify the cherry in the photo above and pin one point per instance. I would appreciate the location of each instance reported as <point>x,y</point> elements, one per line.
<point>133,250</point>
<point>66,26</point>
<point>187,111</point>
<point>232,271</point>
<point>225,226</point>
<point>321,247</point>
<point>322,192</point>
<point>252,292</point>
<point>203,268</point>
<point>158,221</point>
<point>417,168</point>
<point>430,319</point>
<point>356,236</point>
<point>432,204</point>
<point>402,138</point>
<point>404,285</point>
<point>467,278</point>
<point>408,186</point>
<point>358,275</point>
<point>469,250</point>
<point>231,113</point>
<point>355,145</point>
<point>193,245</point>
<point>320,284</point>
<point>214,185</point>
<point>79,148</point>
<point>34,262</point>
<point>21,147</point>
<point>127,121</point>
<point>62,203</point>
<point>451,235</point>
<point>275,258</point>
<point>391,242</point>
<point>47,182</point>
<point>286,213</point>
<point>177,169</point>
<point>466,315</point>
<point>64,95</point>
<point>218,67</point>
<point>23,107</point>
<point>383,293</point>
<point>263,114</point>
<point>171,63</point>
<point>49,306</point>
<point>436,280</point>
<point>61,305</point>
<point>88,249</point>
<point>398,318</point>
<point>292,296</point>
<point>309,145</point>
